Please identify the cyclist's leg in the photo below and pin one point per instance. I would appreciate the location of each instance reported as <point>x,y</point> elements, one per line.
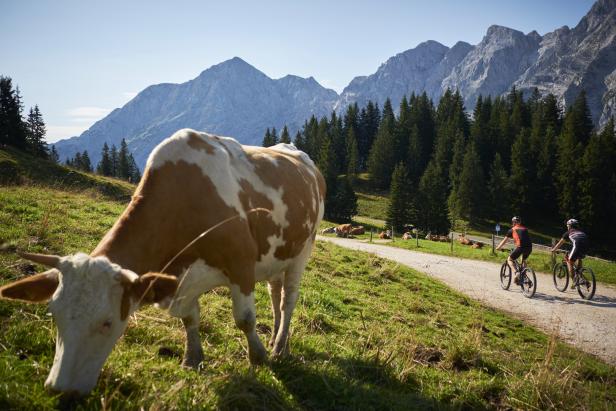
<point>510,260</point>
<point>525,254</point>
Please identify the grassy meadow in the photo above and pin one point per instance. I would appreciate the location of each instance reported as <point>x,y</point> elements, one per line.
<point>366,334</point>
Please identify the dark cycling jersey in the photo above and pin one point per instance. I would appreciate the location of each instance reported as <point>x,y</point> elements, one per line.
<point>520,236</point>
<point>579,239</point>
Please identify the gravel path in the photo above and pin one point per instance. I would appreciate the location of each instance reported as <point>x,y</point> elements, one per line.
<point>588,325</point>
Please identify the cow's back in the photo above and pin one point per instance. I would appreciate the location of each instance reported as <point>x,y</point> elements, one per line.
<point>204,179</point>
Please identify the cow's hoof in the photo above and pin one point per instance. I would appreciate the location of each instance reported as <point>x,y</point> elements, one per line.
<point>192,361</point>
<point>280,350</point>
<point>257,356</point>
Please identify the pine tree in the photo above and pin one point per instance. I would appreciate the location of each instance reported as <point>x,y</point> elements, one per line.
<point>274,136</point>
<point>53,155</point>
<point>35,133</point>
<point>498,191</point>
<point>576,132</point>
<point>124,171</point>
<point>105,167</point>
<point>12,126</point>
<point>343,204</point>
<point>133,171</point>
<point>284,136</point>
<point>300,142</point>
<point>267,139</point>
<point>597,200</point>
<point>523,175</point>
<point>85,164</point>
<point>432,206</point>
<point>469,193</point>
<point>401,210</point>
<point>113,157</point>
<point>352,154</point>
<point>381,161</point>
<point>369,122</point>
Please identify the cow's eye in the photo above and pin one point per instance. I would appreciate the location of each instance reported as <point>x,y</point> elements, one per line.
<point>107,324</point>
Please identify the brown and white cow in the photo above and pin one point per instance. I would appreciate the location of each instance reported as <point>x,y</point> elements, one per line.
<point>192,181</point>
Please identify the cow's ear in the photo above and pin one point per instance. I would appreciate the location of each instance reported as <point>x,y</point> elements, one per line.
<point>154,287</point>
<point>34,289</point>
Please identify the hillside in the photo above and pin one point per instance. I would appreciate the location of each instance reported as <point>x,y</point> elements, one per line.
<point>437,349</point>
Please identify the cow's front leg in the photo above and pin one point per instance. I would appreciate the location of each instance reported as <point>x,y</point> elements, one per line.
<point>275,288</point>
<point>245,317</point>
<point>290,293</point>
<point>193,353</point>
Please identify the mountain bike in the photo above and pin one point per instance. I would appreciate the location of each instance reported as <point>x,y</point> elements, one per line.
<point>583,279</point>
<point>527,278</point>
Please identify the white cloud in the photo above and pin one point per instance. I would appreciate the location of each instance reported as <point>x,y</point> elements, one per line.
<point>55,133</point>
<point>87,114</point>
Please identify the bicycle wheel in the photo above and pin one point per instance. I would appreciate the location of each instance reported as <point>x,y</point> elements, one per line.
<point>528,282</point>
<point>560,274</point>
<point>586,283</point>
<point>505,276</point>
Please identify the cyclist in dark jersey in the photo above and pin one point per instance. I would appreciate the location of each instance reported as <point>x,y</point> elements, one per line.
<point>523,244</point>
<point>579,239</point>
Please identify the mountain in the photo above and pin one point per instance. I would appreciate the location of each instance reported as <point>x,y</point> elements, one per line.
<point>232,98</point>
<point>235,99</point>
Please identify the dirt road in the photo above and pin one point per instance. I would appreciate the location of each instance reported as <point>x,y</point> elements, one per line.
<point>589,325</point>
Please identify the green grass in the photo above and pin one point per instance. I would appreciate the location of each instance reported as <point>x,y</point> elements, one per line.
<point>366,334</point>
<point>19,168</point>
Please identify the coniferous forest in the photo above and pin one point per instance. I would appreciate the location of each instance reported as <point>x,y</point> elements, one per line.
<point>513,155</point>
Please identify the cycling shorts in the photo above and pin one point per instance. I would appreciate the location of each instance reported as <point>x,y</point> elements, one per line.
<point>578,251</point>
<point>521,251</point>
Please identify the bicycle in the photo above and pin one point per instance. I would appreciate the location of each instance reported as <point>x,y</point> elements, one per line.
<point>527,279</point>
<point>583,279</point>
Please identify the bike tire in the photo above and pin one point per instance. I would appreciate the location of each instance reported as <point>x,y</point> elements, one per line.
<point>528,282</point>
<point>505,276</point>
<point>587,285</point>
<point>560,275</point>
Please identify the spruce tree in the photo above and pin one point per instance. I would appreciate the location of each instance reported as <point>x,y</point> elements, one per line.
<point>85,164</point>
<point>133,171</point>
<point>352,154</point>
<point>105,167</point>
<point>343,204</point>
<point>53,155</point>
<point>274,136</point>
<point>35,133</point>
<point>381,161</point>
<point>469,193</point>
<point>432,194</point>
<point>523,175</point>
<point>597,198</point>
<point>401,210</point>
<point>267,139</point>
<point>124,171</point>
<point>12,127</point>
<point>284,136</point>
<point>113,157</point>
<point>499,199</point>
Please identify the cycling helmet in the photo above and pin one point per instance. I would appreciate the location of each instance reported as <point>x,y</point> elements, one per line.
<point>516,220</point>
<point>573,222</point>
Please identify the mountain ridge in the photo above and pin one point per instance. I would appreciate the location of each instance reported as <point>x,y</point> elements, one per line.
<point>234,98</point>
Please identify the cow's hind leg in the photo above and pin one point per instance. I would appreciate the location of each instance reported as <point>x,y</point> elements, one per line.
<point>290,293</point>
<point>275,288</point>
<point>245,317</point>
<point>193,354</point>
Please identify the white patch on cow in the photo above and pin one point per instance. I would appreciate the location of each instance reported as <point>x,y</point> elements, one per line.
<point>196,280</point>
<point>86,309</point>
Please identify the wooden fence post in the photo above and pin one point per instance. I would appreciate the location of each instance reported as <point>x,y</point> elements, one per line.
<point>371,230</point>
<point>452,242</point>
<point>493,239</point>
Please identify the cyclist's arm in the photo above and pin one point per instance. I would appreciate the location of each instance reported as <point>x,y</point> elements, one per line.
<point>558,244</point>
<point>502,243</point>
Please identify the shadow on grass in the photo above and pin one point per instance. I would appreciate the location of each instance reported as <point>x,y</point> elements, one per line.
<point>332,382</point>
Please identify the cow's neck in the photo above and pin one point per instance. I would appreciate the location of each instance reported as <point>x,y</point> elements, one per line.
<point>134,242</point>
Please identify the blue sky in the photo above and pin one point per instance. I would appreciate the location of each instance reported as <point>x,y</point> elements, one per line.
<point>80,59</point>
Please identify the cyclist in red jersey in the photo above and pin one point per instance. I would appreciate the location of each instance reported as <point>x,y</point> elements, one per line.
<point>523,245</point>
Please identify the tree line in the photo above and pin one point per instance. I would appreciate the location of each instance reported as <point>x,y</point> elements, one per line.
<point>24,133</point>
<point>513,155</point>
<point>114,163</point>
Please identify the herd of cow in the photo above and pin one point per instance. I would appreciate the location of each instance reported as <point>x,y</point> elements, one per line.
<point>349,231</point>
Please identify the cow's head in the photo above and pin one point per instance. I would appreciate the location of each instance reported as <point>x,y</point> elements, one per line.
<point>90,299</point>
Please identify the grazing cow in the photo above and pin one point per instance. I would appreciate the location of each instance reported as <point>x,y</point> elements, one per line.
<point>407,236</point>
<point>384,236</point>
<point>329,230</point>
<point>192,182</point>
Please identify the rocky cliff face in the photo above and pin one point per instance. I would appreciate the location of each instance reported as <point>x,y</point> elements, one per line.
<point>235,99</point>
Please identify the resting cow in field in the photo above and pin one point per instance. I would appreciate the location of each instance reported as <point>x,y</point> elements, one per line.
<point>192,182</point>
